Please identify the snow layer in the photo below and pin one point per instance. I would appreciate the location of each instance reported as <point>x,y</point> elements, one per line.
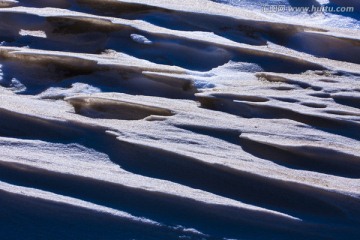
<point>139,119</point>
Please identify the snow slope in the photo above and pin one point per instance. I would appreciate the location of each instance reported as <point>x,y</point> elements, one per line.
<point>139,119</point>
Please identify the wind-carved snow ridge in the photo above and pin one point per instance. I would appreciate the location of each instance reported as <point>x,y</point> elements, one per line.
<point>178,120</point>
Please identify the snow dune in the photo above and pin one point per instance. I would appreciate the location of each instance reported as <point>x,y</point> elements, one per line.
<point>139,119</point>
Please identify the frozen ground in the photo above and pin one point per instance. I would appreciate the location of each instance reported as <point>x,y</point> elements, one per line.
<point>139,119</point>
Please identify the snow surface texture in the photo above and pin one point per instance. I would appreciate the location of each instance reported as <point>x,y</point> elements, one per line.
<point>139,119</point>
